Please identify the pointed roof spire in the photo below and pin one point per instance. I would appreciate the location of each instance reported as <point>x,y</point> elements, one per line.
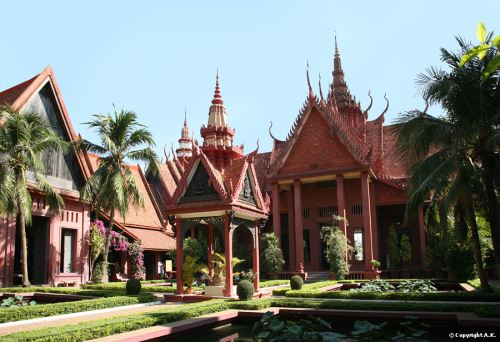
<point>311,93</point>
<point>217,96</point>
<point>185,128</point>
<point>339,86</point>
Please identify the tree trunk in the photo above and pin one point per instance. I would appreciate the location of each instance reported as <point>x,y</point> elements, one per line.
<point>485,286</point>
<point>105,275</point>
<point>24,250</point>
<point>493,209</point>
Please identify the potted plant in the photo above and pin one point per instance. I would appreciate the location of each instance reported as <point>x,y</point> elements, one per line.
<point>190,268</point>
<point>375,268</point>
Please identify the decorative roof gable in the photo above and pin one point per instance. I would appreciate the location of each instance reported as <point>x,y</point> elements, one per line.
<point>200,187</point>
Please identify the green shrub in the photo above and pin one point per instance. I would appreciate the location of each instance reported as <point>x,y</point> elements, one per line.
<point>336,250</point>
<point>97,272</point>
<point>375,286</point>
<point>245,290</point>
<point>416,286</point>
<point>296,282</point>
<point>248,275</point>
<point>271,255</point>
<point>133,287</point>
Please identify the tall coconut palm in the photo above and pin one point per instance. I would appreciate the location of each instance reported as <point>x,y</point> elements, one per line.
<point>473,103</point>
<point>442,170</point>
<point>112,186</point>
<point>24,137</point>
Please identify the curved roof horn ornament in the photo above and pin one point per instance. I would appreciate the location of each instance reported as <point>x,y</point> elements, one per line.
<point>371,102</point>
<point>271,133</point>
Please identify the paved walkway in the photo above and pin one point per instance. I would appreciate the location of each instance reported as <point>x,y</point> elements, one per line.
<point>54,322</point>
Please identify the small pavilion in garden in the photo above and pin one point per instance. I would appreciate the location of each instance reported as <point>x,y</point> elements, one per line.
<point>217,192</point>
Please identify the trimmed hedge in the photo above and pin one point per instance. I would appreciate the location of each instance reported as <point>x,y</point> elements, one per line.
<point>480,310</point>
<point>306,287</point>
<point>430,296</point>
<point>44,310</point>
<point>105,327</point>
<point>296,282</point>
<point>270,283</point>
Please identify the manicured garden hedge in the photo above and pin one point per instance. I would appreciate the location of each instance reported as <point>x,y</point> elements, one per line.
<point>481,310</point>
<point>306,287</point>
<point>65,290</point>
<point>106,327</point>
<point>44,310</point>
<point>432,296</point>
<point>278,282</point>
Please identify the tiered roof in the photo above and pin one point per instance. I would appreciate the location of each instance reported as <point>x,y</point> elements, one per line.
<point>371,144</point>
<point>228,169</point>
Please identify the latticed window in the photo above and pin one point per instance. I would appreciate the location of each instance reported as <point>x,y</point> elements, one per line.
<point>328,212</point>
<point>326,184</point>
<point>305,213</point>
<point>357,209</point>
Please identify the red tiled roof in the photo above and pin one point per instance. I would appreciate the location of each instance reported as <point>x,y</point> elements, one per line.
<point>9,96</point>
<point>393,166</point>
<point>152,239</point>
<point>261,165</point>
<point>137,216</point>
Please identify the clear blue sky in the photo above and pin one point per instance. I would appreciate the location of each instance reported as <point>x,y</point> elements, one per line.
<point>158,57</point>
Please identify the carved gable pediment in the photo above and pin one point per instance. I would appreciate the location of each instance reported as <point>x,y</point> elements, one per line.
<point>200,187</point>
<point>246,192</point>
<point>316,148</point>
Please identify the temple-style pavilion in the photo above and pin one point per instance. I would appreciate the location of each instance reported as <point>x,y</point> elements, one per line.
<point>216,190</point>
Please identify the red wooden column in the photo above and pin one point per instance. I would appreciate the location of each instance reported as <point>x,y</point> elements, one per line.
<point>299,235</point>
<point>367,220</point>
<point>276,211</point>
<point>179,257</point>
<point>341,206</point>
<point>256,265</point>
<point>211,249</point>
<point>193,233</point>
<point>228,251</point>
<point>421,237</point>
<point>373,209</point>
<point>291,230</point>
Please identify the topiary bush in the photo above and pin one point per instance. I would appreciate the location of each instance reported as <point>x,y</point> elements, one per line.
<point>133,286</point>
<point>245,290</point>
<point>296,282</point>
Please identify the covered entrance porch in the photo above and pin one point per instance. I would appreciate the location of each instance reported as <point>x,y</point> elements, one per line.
<point>236,230</point>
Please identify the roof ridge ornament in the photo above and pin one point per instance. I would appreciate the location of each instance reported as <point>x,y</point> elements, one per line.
<point>370,105</point>
<point>311,93</point>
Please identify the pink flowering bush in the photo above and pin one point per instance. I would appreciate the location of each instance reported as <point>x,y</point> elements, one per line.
<point>119,243</point>
<point>136,254</point>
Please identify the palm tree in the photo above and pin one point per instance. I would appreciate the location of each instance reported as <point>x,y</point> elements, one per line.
<point>24,138</point>
<point>441,170</point>
<point>112,187</point>
<point>472,102</point>
<point>463,145</point>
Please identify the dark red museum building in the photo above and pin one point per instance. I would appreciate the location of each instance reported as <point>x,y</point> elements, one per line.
<point>334,161</point>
